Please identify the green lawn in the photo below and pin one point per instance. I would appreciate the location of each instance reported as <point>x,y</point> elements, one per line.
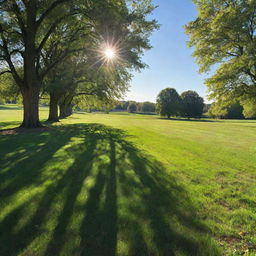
<point>127,184</point>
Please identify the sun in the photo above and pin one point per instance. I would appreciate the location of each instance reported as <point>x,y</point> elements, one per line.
<point>110,53</point>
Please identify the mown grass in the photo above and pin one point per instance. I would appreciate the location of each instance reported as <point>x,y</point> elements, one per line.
<point>126,184</point>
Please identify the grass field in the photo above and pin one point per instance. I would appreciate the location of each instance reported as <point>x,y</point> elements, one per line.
<point>127,184</point>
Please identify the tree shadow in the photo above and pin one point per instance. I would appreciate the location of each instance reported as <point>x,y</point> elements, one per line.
<point>93,192</point>
<point>189,120</point>
<point>12,107</point>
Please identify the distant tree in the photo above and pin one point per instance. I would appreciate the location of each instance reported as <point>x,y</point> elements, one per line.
<point>119,106</point>
<point>226,110</point>
<point>132,108</point>
<point>223,35</point>
<point>168,102</point>
<point>192,104</point>
<point>206,108</point>
<point>235,111</point>
<point>139,106</point>
<point>148,107</point>
<point>9,91</point>
<point>125,105</point>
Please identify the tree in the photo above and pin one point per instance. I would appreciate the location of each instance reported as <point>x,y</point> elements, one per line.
<point>226,110</point>
<point>148,107</point>
<point>105,86</point>
<point>224,38</point>
<point>192,104</point>
<point>132,107</point>
<point>25,28</point>
<point>217,110</point>
<point>97,76</point>
<point>168,102</point>
<point>28,29</point>
<point>249,107</point>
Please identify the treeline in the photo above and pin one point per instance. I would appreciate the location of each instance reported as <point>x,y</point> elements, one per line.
<point>133,106</point>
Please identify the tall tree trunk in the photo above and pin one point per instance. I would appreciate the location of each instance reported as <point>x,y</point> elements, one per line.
<point>65,110</point>
<point>66,106</point>
<point>31,108</point>
<point>32,85</point>
<point>53,111</point>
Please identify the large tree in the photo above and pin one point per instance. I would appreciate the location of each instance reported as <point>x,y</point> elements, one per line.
<point>124,31</point>
<point>26,27</point>
<point>224,38</point>
<point>168,102</point>
<point>192,104</point>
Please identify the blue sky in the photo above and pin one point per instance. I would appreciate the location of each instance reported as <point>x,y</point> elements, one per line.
<point>170,60</point>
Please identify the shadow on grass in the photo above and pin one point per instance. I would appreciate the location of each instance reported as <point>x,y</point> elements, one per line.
<point>189,120</point>
<point>87,190</point>
<point>10,107</point>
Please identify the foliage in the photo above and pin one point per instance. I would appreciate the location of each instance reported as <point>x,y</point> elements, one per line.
<point>217,110</point>
<point>249,107</point>
<point>168,102</point>
<point>147,107</point>
<point>132,107</point>
<point>192,104</point>
<point>226,110</point>
<point>9,91</point>
<point>223,35</point>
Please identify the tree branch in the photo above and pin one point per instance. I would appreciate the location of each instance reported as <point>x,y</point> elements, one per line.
<point>54,63</point>
<point>48,11</point>
<point>8,59</point>
<point>85,93</point>
<point>17,13</point>
<point>5,71</point>
<point>51,30</point>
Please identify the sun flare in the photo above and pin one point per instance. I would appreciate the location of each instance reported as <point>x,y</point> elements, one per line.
<point>110,53</point>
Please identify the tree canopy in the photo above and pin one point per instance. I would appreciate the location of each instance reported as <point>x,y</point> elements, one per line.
<point>223,35</point>
<point>37,37</point>
<point>227,110</point>
<point>168,102</point>
<point>192,104</point>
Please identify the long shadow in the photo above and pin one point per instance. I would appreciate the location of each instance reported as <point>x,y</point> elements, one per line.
<point>3,107</point>
<point>25,156</point>
<point>189,120</point>
<point>112,200</point>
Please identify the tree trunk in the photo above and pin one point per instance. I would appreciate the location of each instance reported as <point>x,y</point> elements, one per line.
<point>31,108</point>
<point>65,110</point>
<point>53,110</point>
<point>31,85</point>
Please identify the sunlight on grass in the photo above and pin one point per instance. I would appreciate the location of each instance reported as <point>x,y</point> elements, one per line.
<point>134,185</point>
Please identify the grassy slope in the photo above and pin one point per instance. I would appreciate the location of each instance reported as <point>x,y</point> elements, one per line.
<point>138,185</point>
